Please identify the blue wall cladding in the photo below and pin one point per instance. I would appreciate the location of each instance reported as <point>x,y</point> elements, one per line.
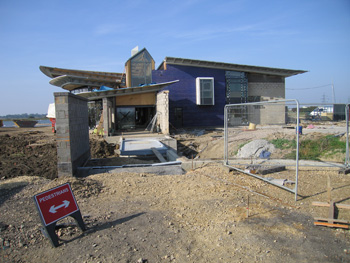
<point>183,95</point>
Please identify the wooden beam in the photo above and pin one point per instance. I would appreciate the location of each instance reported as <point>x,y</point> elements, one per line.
<point>329,188</point>
<point>271,169</point>
<point>328,205</point>
<point>330,225</point>
<point>331,212</point>
<point>335,220</point>
<point>158,154</point>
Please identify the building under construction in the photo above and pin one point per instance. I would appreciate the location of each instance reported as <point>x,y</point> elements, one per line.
<point>179,93</point>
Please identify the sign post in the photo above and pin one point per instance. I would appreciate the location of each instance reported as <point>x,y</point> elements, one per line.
<point>54,205</point>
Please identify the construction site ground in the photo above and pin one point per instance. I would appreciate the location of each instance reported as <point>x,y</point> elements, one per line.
<point>202,215</point>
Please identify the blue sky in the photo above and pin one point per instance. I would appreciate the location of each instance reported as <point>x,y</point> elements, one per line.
<point>311,35</point>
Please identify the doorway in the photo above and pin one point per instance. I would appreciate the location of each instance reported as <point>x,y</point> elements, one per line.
<point>132,118</point>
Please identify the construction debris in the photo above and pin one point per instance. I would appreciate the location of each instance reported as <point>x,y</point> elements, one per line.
<point>344,171</point>
<point>331,221</point>
<point>258,169</point>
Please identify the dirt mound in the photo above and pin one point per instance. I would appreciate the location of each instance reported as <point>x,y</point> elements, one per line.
<point>28,153</point>
<point>101,149</point>
<point>34,153</point>
<point>82,187</point>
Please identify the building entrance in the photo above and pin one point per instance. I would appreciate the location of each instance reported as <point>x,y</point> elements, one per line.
<point>132,118</point>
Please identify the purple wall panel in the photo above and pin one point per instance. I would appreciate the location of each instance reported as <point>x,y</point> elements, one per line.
<point>183,95</point>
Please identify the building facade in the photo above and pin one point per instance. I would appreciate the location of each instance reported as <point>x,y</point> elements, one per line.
<point>180,92</point>
<point>205,87</point>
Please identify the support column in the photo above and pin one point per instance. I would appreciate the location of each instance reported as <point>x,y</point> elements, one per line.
<point>163,111</point>
<point>108,116</point>
<point>105,117</point>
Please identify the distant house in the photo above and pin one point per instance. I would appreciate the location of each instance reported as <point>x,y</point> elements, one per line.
<point>180,92</point>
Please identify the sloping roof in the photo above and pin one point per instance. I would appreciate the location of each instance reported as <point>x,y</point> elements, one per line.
<point>229,66</point>
<point>125,91</point>
<point>52,72</point>
<point>74,82</point>
<point>71,79</point>
<point>138,53</point>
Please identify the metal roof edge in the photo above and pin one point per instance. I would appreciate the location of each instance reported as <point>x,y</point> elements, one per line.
<point>230,66</point>
<point>49,70</point>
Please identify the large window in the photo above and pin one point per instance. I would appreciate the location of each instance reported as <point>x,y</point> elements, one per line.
<point>205,91</point>
<point>236,87</point>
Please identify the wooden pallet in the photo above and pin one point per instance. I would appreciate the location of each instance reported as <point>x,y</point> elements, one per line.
<point>331,221</point>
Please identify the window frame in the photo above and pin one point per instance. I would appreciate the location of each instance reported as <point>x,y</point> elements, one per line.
<point>199,91</point>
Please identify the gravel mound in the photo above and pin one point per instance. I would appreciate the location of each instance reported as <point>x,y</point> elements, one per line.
<point>255,148</point>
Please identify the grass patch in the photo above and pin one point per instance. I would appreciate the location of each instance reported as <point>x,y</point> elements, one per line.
<point>283,143</point>
<point>314,149</point>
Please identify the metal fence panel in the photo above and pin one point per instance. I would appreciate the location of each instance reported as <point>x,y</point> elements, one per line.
<point>277,133</point>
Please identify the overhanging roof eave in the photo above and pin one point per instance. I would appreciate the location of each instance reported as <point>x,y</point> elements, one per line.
<point>63,81</point>
<point>53,72</point>
<point>230,66</point>
<point>126,91</point>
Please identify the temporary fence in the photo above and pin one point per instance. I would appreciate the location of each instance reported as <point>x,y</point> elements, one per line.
<point>347,113</point>
<point>240,128</point>
<point>264,137</point>
<point>330,119</point>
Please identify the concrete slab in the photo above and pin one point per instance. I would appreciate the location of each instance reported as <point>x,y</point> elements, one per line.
<point>165,139</point>
<point>158,170</point>
<point>141,146</point>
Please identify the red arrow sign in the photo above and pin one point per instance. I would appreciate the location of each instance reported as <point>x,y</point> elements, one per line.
<point>56,203</point>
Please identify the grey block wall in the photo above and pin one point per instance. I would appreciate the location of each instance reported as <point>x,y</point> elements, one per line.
<point>268,114</point>
<point>72,132</point>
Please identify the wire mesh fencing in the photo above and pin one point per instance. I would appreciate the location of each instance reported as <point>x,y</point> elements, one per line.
<point>270,140</point>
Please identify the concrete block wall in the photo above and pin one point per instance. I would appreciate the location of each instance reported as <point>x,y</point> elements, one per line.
<point>72,131</point>
<point>267,90</point>
<point>272,113</point>
<point>163,111</point>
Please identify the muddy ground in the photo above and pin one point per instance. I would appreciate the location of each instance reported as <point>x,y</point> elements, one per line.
<point>201,216</point>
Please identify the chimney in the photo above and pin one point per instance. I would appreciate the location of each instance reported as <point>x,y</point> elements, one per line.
<point>134,50</point>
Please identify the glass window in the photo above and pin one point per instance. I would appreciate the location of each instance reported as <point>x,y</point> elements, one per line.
<point>205,91</point>
<point>236,87</point>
